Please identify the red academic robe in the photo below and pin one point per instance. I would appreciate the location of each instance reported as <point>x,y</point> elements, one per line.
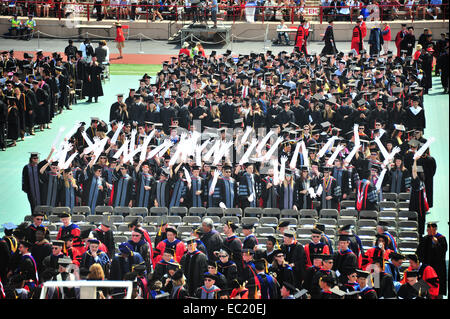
<point>370,254</point>
<point>357,38</point>
<point>323,250</point>
<point>300,39</point>
<point>398,38</point>
<point>179,250</point>
<point>428,274</point>
<point>363,29</point>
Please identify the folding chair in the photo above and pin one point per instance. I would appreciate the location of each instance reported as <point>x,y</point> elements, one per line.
<point>249,220</point>
<point>386,215</point>
<point>54,219</point>
<point>129,219</point>
<point>408,236</point>
<point>368,214</point>
<point>197,211</point>
<point>407,247</point>
<point>99,210</point>
<point>328,213</point>
<point>271,212</point>
<point>348,213</point>
<point>53,210</point>
<point>403,197</point>
<point>252,211</point>
<point>268,221</point>
<point>180,211</point>
<point>347,204</point>
<point>407,215</point>
<point>407,225</point>
<point>192,220</point>
<point>141,211</point>
<point>174,220</point>
<point>264,231</point>
<point>328,222</point>
<point>217,211</point>
<point>403,206</point>
<point>290,213</point>
<point>124,211</point>
<point>159,211</point>
<point>388,205</point>
<point>303,233</point>
<point>308,213</point>
<point>307,222</point>
<point>233,219</point>
<point>85,210</point>
<point>78,218</point>
<point>232,211</point>
<point>390,197</point>
<point>367,224</point>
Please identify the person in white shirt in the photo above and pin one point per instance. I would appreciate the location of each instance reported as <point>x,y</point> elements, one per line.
<point>282,35</point>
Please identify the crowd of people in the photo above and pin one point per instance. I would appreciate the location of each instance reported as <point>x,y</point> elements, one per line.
<point>269,10</point>
<point>337,125</point>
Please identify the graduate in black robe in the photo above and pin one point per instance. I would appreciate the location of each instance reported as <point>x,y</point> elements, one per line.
<point>93,84</point>
<point>31,108</point>
<point>431,251</point>
<point>230,187</point>
<point>295,256</point>
<point>218,193</point>
<point>328,38</point>
<point>162,190</point>
<point>428,164</point>
<point>194,264</point>
<point>145,186</point>
<point>123,187</point>
<point>331,192</point>
<point>178,187</point>
<point>195,190</point>
<point>303,199</point>
<point>68,190</point>
<point>418,198</point>
<point>42,101</point>
<point>344,259</point>
<point>94,187</point>
<point>50,183</point>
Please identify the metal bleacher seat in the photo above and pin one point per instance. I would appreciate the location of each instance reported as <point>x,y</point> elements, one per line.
<point>292,221</point>
<point>407,225</point>
<point>152,230</point>
<point>217,211</point>
<point>192,220</point>
<point>122,210</point>
<point>308,213</point>
<point>403,197</point>
<point>99,210</point>
<point>403,206</point>
<point>78,218</point>
<point>346,221</point>
<point>303,233</point>
<point>123,228</point>
<point>328,213</point>
<point>307,222</point>
<point>233,219</point>
<point>348,213</point>
<point>250,220</point>
<point>129,219</point>
<point>47,210</point>
<point>94,219</point>
<point>328,222</point>
<point>367,234</point>
<point>53,218</point>
<point>407,247</point>
<point>407,215</point>
<point>184,230</point>
<point>330,232</point>
<point>408,236</point>
<point>56,210</point>
<point>367,243</point>
<point>52,227</point>
<point>368,214</point>
<point>180,211</point>
<point>291,213</point>
<point>390,197</point>
<point>271,212</point>
<point>85,210</point>
<point>367,224</point>
<point>387,205</point>
<point>175,220</point>
<point>159,211</point>
<point>386,215</point>
<point>86,227</point>
<point>252,211</point>
<point>347,204</point>
<point>117,219</point>
<point>304,241</point>
<point>268,221</point>
<point>141,211</point>
<point>197,211</point>
<point>264,231</point>
<point>118,239</point>
<point>152,220</point>
<point>232,211</point>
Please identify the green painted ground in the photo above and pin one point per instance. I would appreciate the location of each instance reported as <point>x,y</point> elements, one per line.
<point>134,69</point>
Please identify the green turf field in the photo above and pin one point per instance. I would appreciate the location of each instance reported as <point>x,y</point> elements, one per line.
<point>134,69</point>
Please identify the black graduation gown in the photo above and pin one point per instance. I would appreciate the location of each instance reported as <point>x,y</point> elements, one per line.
<point>269,195</point>
<point>167,114</point>
<point>315,286</point>
<point>31,105</point>
<point>330,45</point>
<point>415,120</point>
<point>229,270</point>
<point>162,193</point>
<point>93,85</point>
<point>213,242</point>
<point>13,123</point>
<point>122,190</point>
<point>304,201</point>
<point>42,112</point>
<point>386,286</point>
<point>92,196</point>
<point>295,254</point>
<point>344,262</point>
<point>144,198</point>
<point>408,43</point>
<point>194,265</point>
<point>433,254</point>
<point>50,184</point>
<point>107,238</point>
<point>428,164</point>
<point>418,202</point>
<point>113,111</point>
